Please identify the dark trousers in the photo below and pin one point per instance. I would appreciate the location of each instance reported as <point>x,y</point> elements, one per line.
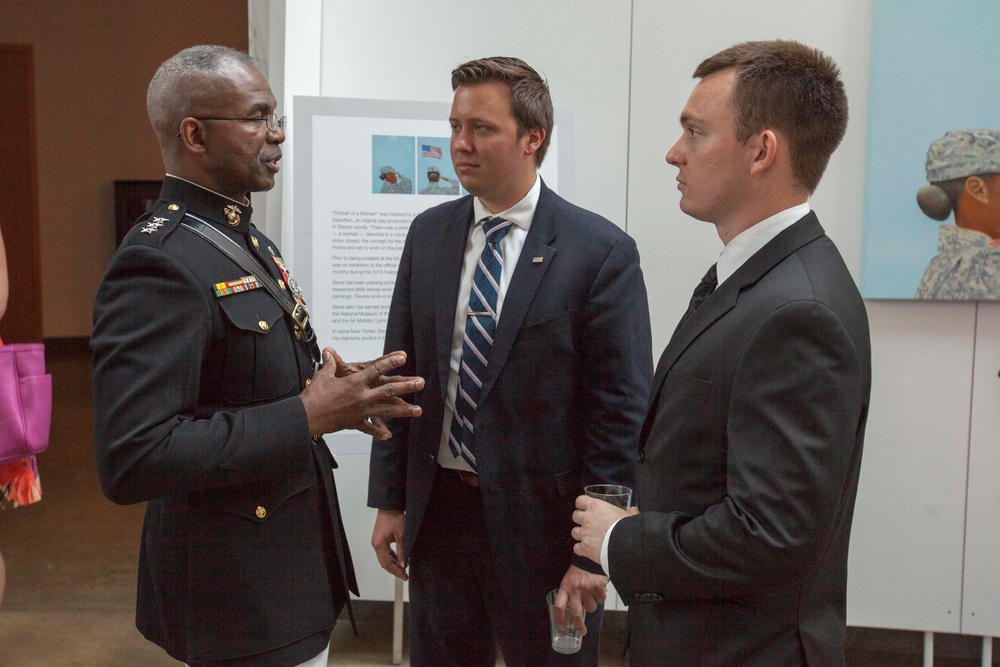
<point>457,610</point>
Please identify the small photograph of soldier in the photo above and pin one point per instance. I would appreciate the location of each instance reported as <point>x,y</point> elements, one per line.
<point>393,161</point>
<point>434,183</point>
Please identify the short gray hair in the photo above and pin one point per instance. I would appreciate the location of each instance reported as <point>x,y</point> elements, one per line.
<point>171,95</point>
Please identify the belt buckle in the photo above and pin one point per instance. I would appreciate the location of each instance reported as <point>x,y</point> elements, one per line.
<point>300,315</point>
<point>468,478</point>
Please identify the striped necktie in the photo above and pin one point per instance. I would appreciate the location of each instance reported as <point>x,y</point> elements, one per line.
<point>480,324</point>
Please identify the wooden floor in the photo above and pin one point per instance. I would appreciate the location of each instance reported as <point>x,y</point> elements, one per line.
<point>71,568</point>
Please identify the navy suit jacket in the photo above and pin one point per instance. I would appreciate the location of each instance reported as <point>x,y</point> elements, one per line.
<point>564,394</point>
<point>749,468</point>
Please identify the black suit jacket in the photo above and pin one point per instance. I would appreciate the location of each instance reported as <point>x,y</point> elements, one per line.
<point>196,411</point>
<point>750,461</point>
<point>563,396</point>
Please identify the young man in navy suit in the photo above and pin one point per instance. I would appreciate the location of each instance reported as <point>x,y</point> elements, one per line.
<point>750,453</point>
<point>528,318</point>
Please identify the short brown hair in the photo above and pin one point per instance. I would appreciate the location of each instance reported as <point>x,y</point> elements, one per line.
<point>791,88</point>
<point>529,92</point>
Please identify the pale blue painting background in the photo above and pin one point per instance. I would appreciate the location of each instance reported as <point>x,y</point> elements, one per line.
<point>935,68</point>
<point>397,152</point>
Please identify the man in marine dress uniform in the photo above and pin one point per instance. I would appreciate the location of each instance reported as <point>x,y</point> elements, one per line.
<point>206,404</point>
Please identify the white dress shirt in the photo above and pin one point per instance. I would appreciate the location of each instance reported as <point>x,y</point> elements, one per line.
<point>744,246</point>
<point>520,216</point>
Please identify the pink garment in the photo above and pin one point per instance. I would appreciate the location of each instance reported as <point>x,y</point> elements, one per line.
<point>19,482</point>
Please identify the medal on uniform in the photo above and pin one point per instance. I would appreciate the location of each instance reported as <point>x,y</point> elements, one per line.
<point>300,314</point>
<point>293,285</point>
<point>244,284</point>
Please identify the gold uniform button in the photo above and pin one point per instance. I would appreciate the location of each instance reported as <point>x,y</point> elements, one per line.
<point>281,284</point>
<point>173,207</point>
<point>261,512</point>
<point>308,382</point>
<point>255,242</point>
<point>263,325</point>
<point>298,333</point>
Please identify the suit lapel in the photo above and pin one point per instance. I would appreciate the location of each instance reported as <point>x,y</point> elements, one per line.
<point>524,284</point>
<point>804,231</point>
<point>448,275</point>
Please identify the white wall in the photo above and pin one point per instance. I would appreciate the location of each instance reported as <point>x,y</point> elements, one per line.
<point>624,68</point>
<point>669,40</point>
<point>905,567</point>
<point>405,51</point>
<point>981,589</point>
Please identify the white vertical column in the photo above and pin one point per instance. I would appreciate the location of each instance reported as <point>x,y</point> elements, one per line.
<point>981,586</point>
<point>298,27</point>
<point>397,624</point>
<point>266,25</point>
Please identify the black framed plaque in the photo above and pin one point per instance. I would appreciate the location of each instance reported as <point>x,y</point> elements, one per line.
<point>133,199</point>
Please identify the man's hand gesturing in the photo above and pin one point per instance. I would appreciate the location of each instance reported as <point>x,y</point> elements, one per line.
<point>359,396</point>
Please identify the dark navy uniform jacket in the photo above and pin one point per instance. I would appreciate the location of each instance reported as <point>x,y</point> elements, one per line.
<point>196,411</point>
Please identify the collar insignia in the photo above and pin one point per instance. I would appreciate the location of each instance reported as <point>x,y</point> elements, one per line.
<point>233,213</point>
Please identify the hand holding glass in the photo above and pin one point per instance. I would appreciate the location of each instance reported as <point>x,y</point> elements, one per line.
<point>619,496</point>
<point>565,639</point>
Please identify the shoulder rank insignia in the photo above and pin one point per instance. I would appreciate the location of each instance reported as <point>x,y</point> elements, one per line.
<point>244,284</point>
<point>154,225</point>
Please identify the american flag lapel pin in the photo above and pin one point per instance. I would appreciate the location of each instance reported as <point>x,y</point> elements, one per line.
<point>536,260</point>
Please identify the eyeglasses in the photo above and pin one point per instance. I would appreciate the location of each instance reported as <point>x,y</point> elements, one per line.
<point>273,122</point>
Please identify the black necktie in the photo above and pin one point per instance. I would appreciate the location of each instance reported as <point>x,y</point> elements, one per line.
<point>701,292</point>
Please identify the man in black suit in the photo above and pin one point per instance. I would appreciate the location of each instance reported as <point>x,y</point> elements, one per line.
<point>536,351</point>
<point>206,403</point>
<point>751,448</point>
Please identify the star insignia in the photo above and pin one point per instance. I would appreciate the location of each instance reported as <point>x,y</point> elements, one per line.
<point>153,225</point>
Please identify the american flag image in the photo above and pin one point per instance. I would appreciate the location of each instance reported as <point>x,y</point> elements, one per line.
<point>430,151</point>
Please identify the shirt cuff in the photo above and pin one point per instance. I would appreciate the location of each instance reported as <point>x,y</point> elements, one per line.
<point>604,549</point>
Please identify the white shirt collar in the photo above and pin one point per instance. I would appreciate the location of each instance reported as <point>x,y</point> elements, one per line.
<point>519,214</point>
<point>746,244</point>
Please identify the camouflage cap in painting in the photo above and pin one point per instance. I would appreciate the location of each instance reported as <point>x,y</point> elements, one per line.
<point>963,153</point>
